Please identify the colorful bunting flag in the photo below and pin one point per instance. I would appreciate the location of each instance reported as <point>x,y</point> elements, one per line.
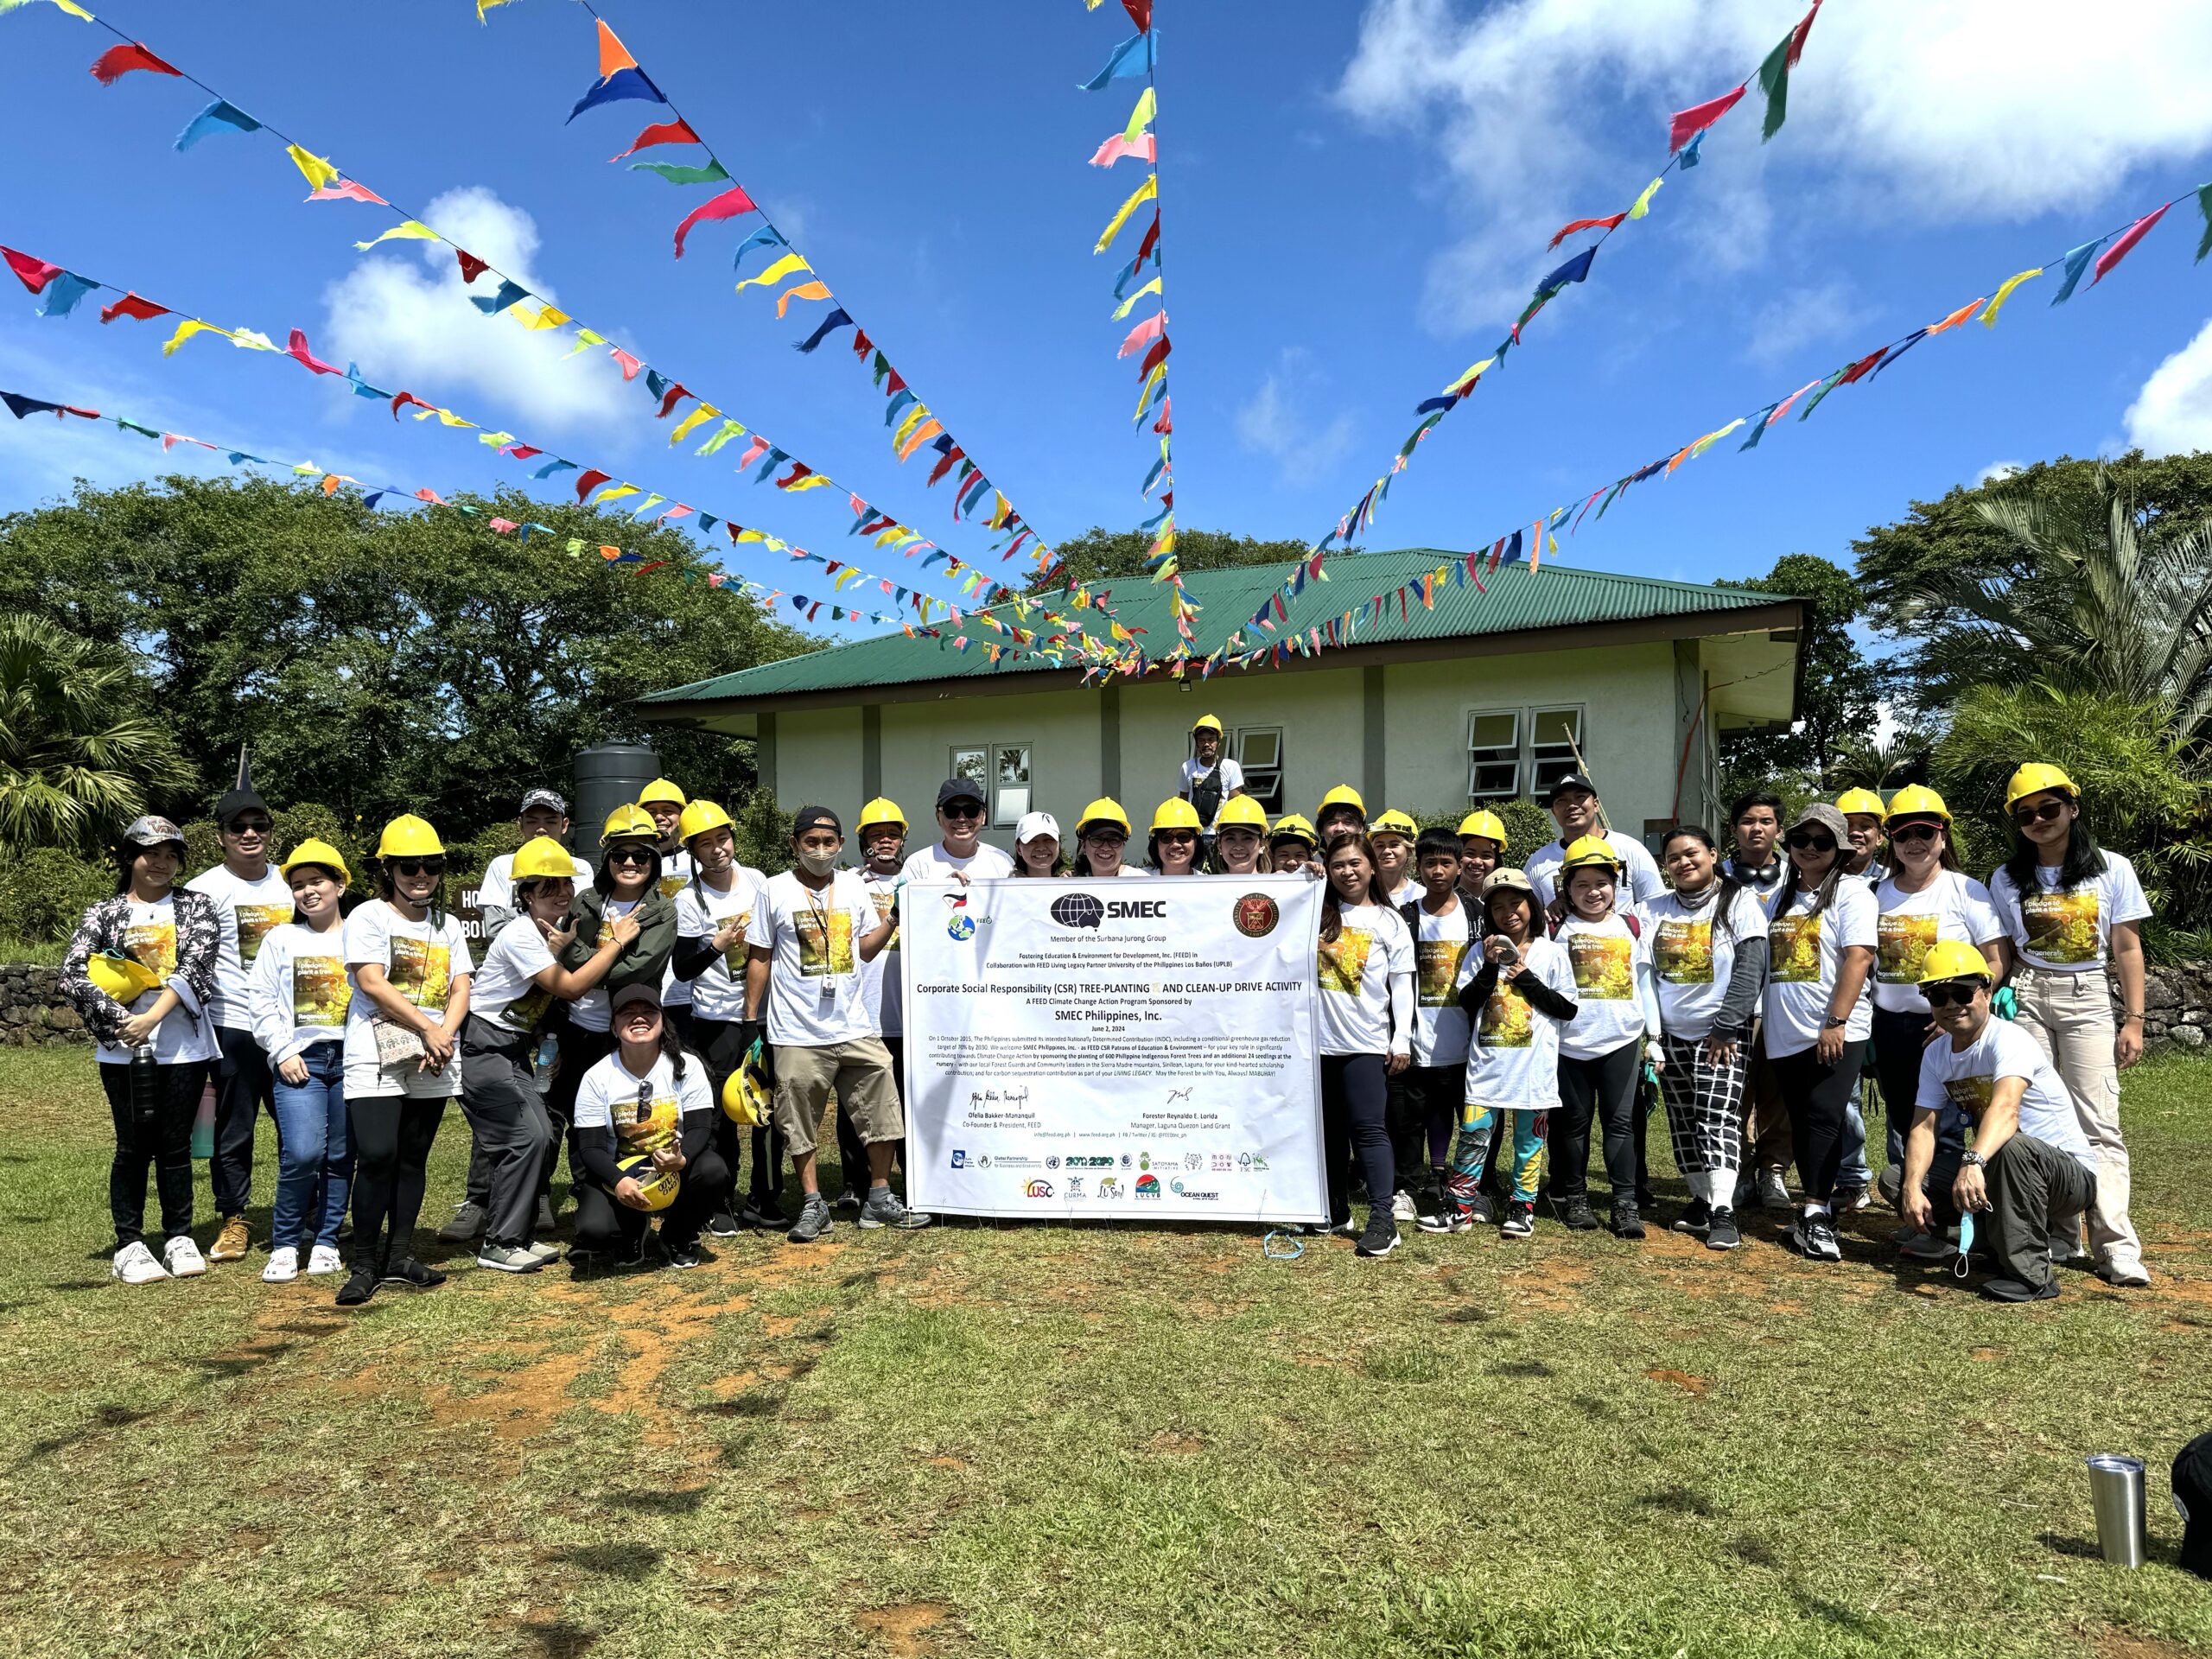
<point>119,60</point>
<point>220,117</point>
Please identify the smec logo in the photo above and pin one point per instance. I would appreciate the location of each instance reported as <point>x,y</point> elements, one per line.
<point>1148,1186</point>
<point>1039,1190</point>
<point>1087,910</point>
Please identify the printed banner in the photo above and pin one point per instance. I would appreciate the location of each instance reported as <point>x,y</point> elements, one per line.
<point>1131,1049</point>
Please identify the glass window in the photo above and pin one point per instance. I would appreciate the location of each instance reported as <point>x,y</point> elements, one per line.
<point>1494,755</point>
<point>1555,735</point>
<point>1000,774</point>
<point>971,764</point>
<point>1258,751</point>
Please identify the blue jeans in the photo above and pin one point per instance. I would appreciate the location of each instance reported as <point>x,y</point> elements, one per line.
<point>1854,1172</point>
<point>313,1158</point>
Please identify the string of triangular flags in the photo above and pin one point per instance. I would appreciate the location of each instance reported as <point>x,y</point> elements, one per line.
<point>1685,138</point>
<point>914,425</point>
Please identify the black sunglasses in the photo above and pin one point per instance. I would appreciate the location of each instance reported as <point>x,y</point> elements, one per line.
<point>1914,832</point>
<point>1957,993</point>
<point>645,1100</point>
<point>2043,814</point>
<point>630,856</point>
<point>960,809</point>
<point>1178,836</point>
<point>1806,842</point>
<point>249,827</point>
<point>419,865</point>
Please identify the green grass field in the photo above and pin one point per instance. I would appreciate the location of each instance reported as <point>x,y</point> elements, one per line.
<point>1110,1440</point>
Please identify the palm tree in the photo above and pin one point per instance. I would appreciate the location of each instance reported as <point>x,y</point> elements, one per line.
<point>78,753</point>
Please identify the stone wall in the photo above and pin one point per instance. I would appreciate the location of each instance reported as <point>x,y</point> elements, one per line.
<point>2177,1006</point>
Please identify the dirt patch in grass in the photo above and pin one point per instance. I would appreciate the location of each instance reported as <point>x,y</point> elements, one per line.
<point>1551,1288</point>
<point>1683,1380</point>
<point>904,1628</point>
<point>2114,1644</point>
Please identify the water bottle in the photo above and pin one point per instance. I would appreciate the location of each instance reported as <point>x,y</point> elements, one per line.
<point>145,1091</point>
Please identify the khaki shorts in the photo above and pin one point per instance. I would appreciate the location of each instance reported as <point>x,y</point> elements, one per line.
<point>857,1072</point>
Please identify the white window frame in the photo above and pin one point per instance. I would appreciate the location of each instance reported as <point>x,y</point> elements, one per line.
<point>1000,813</point>
<point>1534,764</point>
<point>1548,757</point>
<point>1270,797</point>
<point>1495,754</point>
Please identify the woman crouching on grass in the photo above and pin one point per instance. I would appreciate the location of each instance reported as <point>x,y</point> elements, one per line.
<point>1365,960</point>
<point>644,1117</point>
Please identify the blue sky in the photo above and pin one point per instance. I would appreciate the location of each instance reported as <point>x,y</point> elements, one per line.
<point>1355,199</point>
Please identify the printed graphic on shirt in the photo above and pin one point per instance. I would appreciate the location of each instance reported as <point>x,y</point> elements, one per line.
<point>421,972</point>
<point>152,945</point>
<point>1682,951</point>
<point>1793,945</point>
<point>672,885</point>
<point>649,1131</point>
<point>254,922</point>
<point>1436,969</point>
<point>736,951</point>
<point>1971,1095</point>
<point>526,1010</point>
<point>1343,960</point>
<point>1604,969</point>
<point>1902,944</point>
<point>886,900</point>
<point>2062,927</point>
<point>823,953</point>
<point>1508,1020</point>
<point>320,992</point>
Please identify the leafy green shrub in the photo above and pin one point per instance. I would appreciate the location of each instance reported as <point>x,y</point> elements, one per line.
<point>1528,826</point>
<point>762,830</point>
<point>45,892</point>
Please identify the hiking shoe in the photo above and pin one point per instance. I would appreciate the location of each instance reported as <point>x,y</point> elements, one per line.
<point>1627,1224</point>
<point>1815,1236</point>
<point>181,1257</point>
<point>763,1212</point>
<point>545,1250</point>
<point>884,1208</point>
<point>1381,1236</point>
<point>1925,1247</point>
<point>813,1220</point>
<point>1344,1229</point>
<point>467,1223</point>
<point>233,1242</point>
<point>686,1256</point>
<point>1891,1185</point>
<point>1520,1219</point>
<point>1575,1213</point>
<point>324,1259</point>
<point>1774,1191</point>
<point>283,1266</point>
<point>2011,1290</point>
<point>1696,1218</point>
<point>1450,1220</point>
<point>134,1264</point>
<point>359,1286</point>
<point>509,1258</point>
<point>847,1199</point>
<point>412,1274</point>
<point>1402,1207</point>
<point>1720,1232</point>
<point>722,1224</point>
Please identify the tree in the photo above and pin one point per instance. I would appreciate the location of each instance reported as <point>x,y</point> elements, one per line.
<point>1842,689</point>
<point>78,749</point>
<point>1100,555</point>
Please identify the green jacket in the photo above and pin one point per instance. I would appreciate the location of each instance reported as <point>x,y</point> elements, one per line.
<point>643,961</point>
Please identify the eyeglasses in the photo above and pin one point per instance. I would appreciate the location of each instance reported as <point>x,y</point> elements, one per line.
<point>1957,993</point>
<point>1107,838</point>
<point>418,865</point>
<point>630,856</point>
<point>960,812</point>
<point>2044,813</point>
<point>1914,832</point>
<point>250,827</point>
<point>1806,842</point>
<point>1178,837</point>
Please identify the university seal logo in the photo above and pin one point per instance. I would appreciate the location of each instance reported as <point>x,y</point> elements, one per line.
<point>1256,915</point>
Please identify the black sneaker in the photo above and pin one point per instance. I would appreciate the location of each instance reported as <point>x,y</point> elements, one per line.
<point>1697,1217</point>
<point>763,1212</point>
<point>1344,1229</point>
<point>1814,1238</point>
<point>1381,1235</point>
<point>1627,1224</point>
<point>1575,1214</point>
<point>412,1274</point>
<point>687,1256</point>
<point>358,1288</point>
<point>722,1224</point>
<point>2011,1290</point>
<point>1447,1220</point>
<point>1482,1209</point>
<point>1520,1220</point>
<point>813,1220</point>
<point>1720,1232</point>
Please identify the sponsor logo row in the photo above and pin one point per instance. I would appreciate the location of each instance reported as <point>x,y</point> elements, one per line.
<point>1191,1163</point>
<point>1110,1190</point>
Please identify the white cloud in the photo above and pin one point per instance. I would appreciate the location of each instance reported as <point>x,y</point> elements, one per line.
<point>1997,472</point>
<point>1270,422</point>
<point>416,329</point>
<point>2173,412</point>
<point>1940,109</point>
<point>1801,317</point>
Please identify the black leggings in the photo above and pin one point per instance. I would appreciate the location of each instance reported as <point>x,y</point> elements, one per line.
<point>606,1225</point>
<point>1355,1092</point>
<point>1604,1088</point>
<point>391,1136</point>
<point>163,1141</point>
<point>1819,1099</point>
<point>715,1042</point>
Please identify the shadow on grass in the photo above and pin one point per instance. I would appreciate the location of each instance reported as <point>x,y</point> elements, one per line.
<point>632,1563</point>
<point>1522,1368</point>
<point>757,1403</point>
<point>562,1640</point>
<point>1678,1500</point>
<point>685,1502</point>
<point>2081,1549</point>
<point>105,1417</point>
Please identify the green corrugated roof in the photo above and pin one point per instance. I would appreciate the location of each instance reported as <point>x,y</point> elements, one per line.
<point>1517,598</point>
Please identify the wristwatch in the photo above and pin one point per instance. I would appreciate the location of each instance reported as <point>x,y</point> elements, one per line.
<point>1972,1160</point>
<point>1833,1023</point>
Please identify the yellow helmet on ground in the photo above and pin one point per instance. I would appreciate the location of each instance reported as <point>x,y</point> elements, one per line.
<point>1292,827</point>
<point>1589,851</point>
<point>699,817</point>
<point>1952,959</point>
<point>1862,800</point>
<point>121,977</point>
<point>1176,813</point>
<point>1105,810</point>
<point>747,1094</point>
<point>2034,778</point>
<point>318,852</point>
<point>1918,801</point>
<point>661,789</point>
<point>542,856</point>
<point>408,836</point>
<point>882,809</point>
<point>1485,822</point>
<point>1394,822</point>
<point>1207,723</point>
<point>1342,795</point>
<point>624,822</point>
<point>657,1187</point>
<point>1241,812</point>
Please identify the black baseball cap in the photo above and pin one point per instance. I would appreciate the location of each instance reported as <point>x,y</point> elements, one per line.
<point>959,789</point>
<point>235,804</point>
<point>2193,1497</point>
<point>817,818</point>
<point>1570,782</point>
<point>542,798</point>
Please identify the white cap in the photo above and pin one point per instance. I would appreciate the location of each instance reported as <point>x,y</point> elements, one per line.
<point>1035,824</point>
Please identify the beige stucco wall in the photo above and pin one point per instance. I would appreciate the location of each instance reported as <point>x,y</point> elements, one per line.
<point>818,761</point>
<point>1061,729</point>
<point>1319,712</point>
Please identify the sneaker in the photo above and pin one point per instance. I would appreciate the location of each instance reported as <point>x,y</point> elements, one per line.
<point>1402,1207</point>
<point>759,1212</point>
<point>1814,1235</point>
<point>813,1220</point>
<point>2127,1275</point>
<point>467,1225</point>
<point>686,1256</point>
<point>283,1266</point>
<point>412,1274</point>
<point>1575,1213</point>
<point>134,1265</point>
<point>1449,1220</point>
<point>510,1258</point>
<point>1850,1200</point>
<point>545,1217</point>
<point>359,1286</point>
<point>1520,1220</point>
<point>884,1208</point>
<point>722,1224</point>
<point>847,1199</point>
<point>1481,1209</point>
<point>1774,1191</point>
<point>182,1258</point>
<point>2011,1290</point>
<point>1925,1247</point>
<point>545,1250</point>
<point>324,1259</point>
<point>1344,1228</point>
<point>1746,1196</point>
<point>1720,1232</point>
<point>1627,1224</point>
<point>1891,1185</point>
<point>1381,1236</point>
<point>1696,1218</point>
<point>233,1242</point>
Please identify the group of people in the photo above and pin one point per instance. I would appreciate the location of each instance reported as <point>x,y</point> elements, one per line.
<point>1475,1021</point>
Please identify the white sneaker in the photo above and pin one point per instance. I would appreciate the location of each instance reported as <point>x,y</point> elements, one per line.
<point>1402,1207</point>
<point>283,1266</point>
<point>183,1260</point>
<point>544,1249</point>
<point>324,1258</point>
<point>508,1258</point>
<point>134,1265</point>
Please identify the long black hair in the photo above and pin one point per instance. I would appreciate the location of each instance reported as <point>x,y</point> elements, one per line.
<point>127,852</point>
<point>1332,917</point>
<point>2084,859</point>
<point>1823,895</point>
<point>671,1044</point>
<point>603,879</point>
<point>1723,901</point>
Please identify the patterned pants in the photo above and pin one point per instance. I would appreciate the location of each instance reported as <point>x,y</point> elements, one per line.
<point>1705,1111</point>
<point>1471,1149</point>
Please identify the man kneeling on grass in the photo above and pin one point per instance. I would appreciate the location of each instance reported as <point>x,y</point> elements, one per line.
<point>2030,1172</point>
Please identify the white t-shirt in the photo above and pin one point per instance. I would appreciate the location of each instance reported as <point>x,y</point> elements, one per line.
<point>1966,1077</point>
<point>247,911</point>
<point>505,992</point>
<point>933,863</point>
<point>423,963</point>
<point>815,996</point>
<point>1692,959</point>
<point>880,983</point>
<point>718,993</point>
<point>1642,878</point>
<point>150,940</point>
<point>496,889</point>
<point>297,990</point>
<point>1952,906</point>
<point>1232,778</point>
<point>677,869</point>
<point>592,1010</point>
<point>1612,972</point>
<point>1803,952</point>
<point>1356,969</point>
<point>2069,932</point>
<point>608,1097</point>
<point>1439,1023</point>
<point>1764,888</point>
<point>1513,1058</point>
<point>1407,889</point>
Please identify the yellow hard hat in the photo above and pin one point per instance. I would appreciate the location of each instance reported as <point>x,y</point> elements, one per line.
<point>1918,801</point>
<point>747,1093</point>
<point>1342,795</point>
<point>628,821</point>
<point>1244,813</point>
<point>320,852</point>
<point>542,856</point>
<point>1484,821</point>
<point>121,977</point>
<point>699,817</point>
<point>657,1187</point>
<point>1589,851</point>
<point>2037,777</point>
<point>1105,810</point>
<point>1394,822</point>
<point>661,789</point>
<point>882,809</point>
<point>1207,723</point>
<point>408,836</point>
<point>1292,827</point>
<point>1952,959</point>
<point>1176,813</point>
<point>1862,800</point>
